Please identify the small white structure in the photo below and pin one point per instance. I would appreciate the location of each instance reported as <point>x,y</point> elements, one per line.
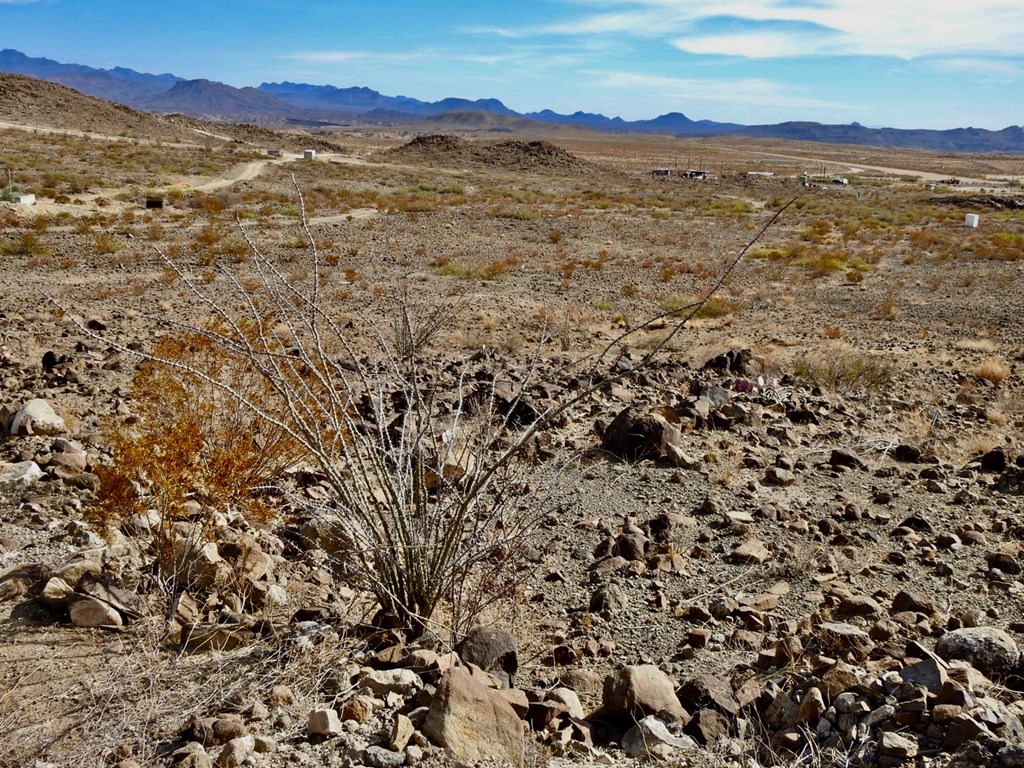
<point>971,220</point>
<point>309,154</point>
<point>25,198</point>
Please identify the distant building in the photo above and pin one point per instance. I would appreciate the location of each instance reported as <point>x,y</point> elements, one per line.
<point>661,172</point>
<point>309,154</point>
<point>274,152</point>
<point>24,198</point>
<point>692,173</point>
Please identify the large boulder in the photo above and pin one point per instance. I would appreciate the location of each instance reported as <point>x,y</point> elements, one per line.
<point>638,691</point>
<point>493,650</point>
<point>474,721</point>
<point>21,474</point>
<point>37,417</point>
<point>636,434</point>
<point>988,649</point>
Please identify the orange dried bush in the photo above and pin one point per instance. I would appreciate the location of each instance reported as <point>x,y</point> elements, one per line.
<point>191,441</point>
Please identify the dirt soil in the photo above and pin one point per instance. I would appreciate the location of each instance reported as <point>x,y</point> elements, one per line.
<point>867,443</point>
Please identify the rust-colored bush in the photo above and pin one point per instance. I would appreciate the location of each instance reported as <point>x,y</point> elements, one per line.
<point>190,439</point>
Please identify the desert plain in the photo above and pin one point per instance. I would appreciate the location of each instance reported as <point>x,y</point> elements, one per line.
<point>791,494</point>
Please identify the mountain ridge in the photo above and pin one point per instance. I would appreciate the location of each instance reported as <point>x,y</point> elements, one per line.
<point>304,102</point>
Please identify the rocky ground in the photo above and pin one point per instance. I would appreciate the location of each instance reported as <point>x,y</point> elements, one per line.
<point>789,536</point>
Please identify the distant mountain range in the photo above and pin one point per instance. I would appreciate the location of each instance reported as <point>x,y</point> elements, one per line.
<point>302,103</point>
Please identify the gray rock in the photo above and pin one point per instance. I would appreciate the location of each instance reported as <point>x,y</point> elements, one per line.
<point>235,752</point>
<point>378,757</point>
<point>493,650</point>
<point>404,682</point>
<point>608,597</point>
<point>752,550</point>
<point>894,744</point>
<point>19,475</point>
<point>846,457</point>
<point>651,738</point>
<point>779,476</point>
<point>634,435</point>
<point>988,649</point>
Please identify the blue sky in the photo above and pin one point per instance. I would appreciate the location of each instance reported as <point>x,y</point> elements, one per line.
<point>899,63</point>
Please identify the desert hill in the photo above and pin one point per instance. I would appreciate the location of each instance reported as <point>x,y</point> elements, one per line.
<point>27,100</point>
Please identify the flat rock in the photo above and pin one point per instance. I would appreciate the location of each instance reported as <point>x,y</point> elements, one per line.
<point>651,738</point>
<point>89,612</point>
<point>752,550</point>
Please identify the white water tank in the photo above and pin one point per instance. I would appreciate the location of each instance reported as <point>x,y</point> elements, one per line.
<point>971,220</point>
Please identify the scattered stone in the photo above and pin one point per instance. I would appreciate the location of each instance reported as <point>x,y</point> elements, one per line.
<point>379,757</point>
<point>634,435</point>
<point>21,474</point>
<point>401,732</point>
<point>779,476</point>
<point>87,611</point>
<point>235,752</point>
<point>323,722</point>
<point>404,682</point>
<point>752,550</point>
<point>608,598</point>
<point>897,745</point>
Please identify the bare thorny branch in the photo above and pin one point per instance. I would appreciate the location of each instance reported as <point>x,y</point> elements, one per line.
<point>423,492</point>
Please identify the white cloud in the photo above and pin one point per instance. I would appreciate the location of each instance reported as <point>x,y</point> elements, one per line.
<point>770,28</point>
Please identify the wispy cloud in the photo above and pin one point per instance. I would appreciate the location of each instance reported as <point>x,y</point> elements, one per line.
<point>984,67</point>
<point>774,28</point>
<point>750,91</point>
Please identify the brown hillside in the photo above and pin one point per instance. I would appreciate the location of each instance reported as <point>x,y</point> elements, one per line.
<point>27,101</point>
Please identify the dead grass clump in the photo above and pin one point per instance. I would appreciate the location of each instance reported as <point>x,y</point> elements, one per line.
<point>993,369</point>
<point>845,369</point>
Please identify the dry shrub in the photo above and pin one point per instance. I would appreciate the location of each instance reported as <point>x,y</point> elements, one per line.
<point>189,441</point>
<point>841,369</point>
<point>993,369</point>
